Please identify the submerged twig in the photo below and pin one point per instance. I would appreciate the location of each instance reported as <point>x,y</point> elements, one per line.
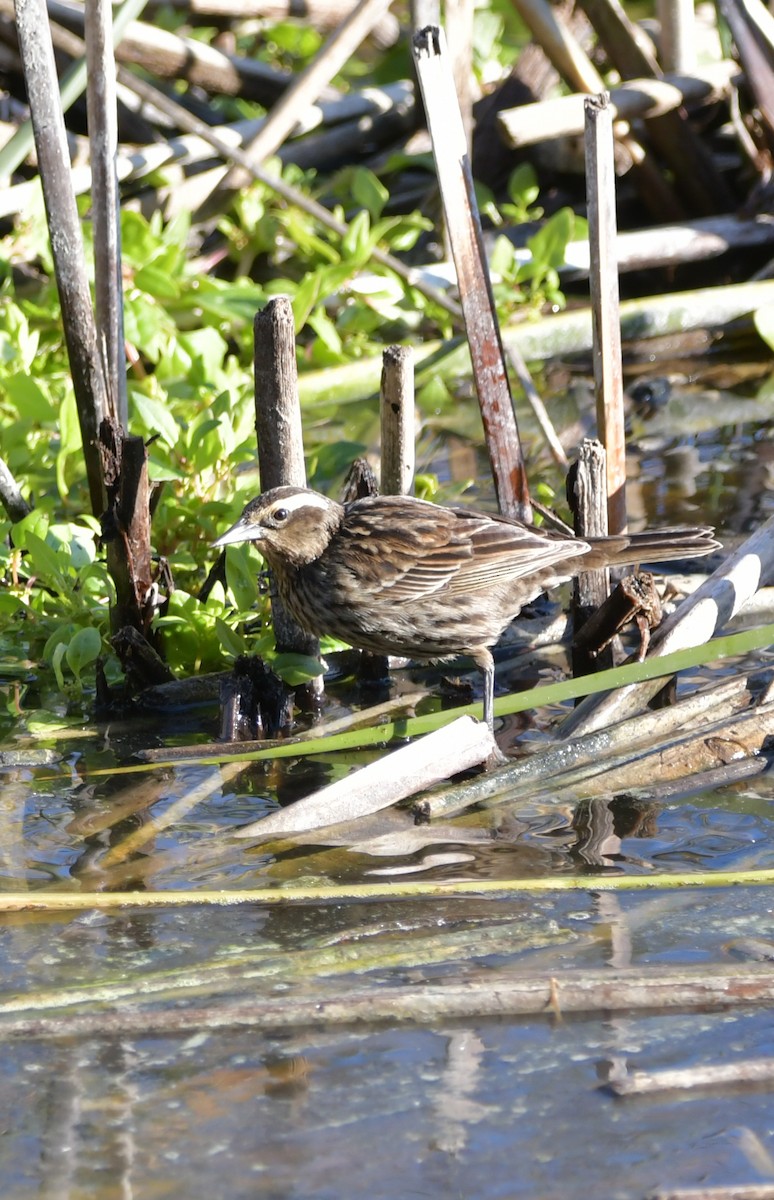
<point>734,1074</point>
<point>499,994</point>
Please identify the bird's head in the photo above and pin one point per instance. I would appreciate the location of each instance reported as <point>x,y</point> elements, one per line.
<point>291,526</point>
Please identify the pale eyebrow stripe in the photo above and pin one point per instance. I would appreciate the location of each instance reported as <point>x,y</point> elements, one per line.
<point>302,500</point>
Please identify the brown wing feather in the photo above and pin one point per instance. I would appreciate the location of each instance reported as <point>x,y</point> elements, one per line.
<point>432,548</point>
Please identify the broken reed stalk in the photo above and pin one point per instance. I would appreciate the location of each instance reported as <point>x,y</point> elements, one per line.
<point>91,397</point>
<point>587,498</point>
<point>397,421</point>
<point>606,317</point>
<point>422,763</point>
<point>464,230</point>
<point>105,201</point>
<point>305,89</point>
<point>126,533</point>
<point>281,445</point>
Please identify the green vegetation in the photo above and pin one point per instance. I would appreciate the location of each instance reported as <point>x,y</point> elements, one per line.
<point>190,398</point>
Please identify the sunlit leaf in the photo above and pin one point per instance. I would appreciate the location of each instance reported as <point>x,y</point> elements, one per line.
<point>82,650</point>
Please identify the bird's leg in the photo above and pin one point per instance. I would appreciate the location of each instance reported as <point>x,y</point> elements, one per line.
<point>485,663</point>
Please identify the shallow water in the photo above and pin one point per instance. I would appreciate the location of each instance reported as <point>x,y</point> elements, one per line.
<point>483,1107</point>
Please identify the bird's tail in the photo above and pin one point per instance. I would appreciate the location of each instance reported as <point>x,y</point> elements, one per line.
<point>653,545</point>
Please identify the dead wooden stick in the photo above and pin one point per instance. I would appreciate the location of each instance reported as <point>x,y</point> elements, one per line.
<point>464,229</point>
<point>649,1083</point>
<point>587,497</point>
<point>105,200</point>
<point>66,240</point>
<point>281,443</point>
<point>397,421</point>
<point>606,318</point>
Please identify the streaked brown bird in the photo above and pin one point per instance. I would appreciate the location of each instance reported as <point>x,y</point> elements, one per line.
<point>395,575</point>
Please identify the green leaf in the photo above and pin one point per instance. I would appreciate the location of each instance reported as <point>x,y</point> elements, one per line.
<point>369,192</point>
<point>232,643</point>
<point>241,577</point>
<point>35,522</point>
<point>82,650</point>
<point>45,561</point>
<point>157,282</point>
<point>56,663</point>
<point>548,245</point>
<point>356,243</point>
<point>155,417</point>
<point>27,394</point>
<point>295,669</point>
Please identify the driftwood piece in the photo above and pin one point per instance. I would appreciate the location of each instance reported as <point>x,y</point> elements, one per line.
<point>590,753</point>
<point>711,987</point>
<point>634,598</point>
<point>464,229</point>
<point>743,1073</point>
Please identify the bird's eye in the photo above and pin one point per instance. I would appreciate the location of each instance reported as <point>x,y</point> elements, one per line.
<point>280,514</point>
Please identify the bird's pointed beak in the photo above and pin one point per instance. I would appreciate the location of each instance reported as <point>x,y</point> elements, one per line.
<point>242,531</point>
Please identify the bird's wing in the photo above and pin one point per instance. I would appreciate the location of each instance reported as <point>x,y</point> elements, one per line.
<point>414,553</point>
